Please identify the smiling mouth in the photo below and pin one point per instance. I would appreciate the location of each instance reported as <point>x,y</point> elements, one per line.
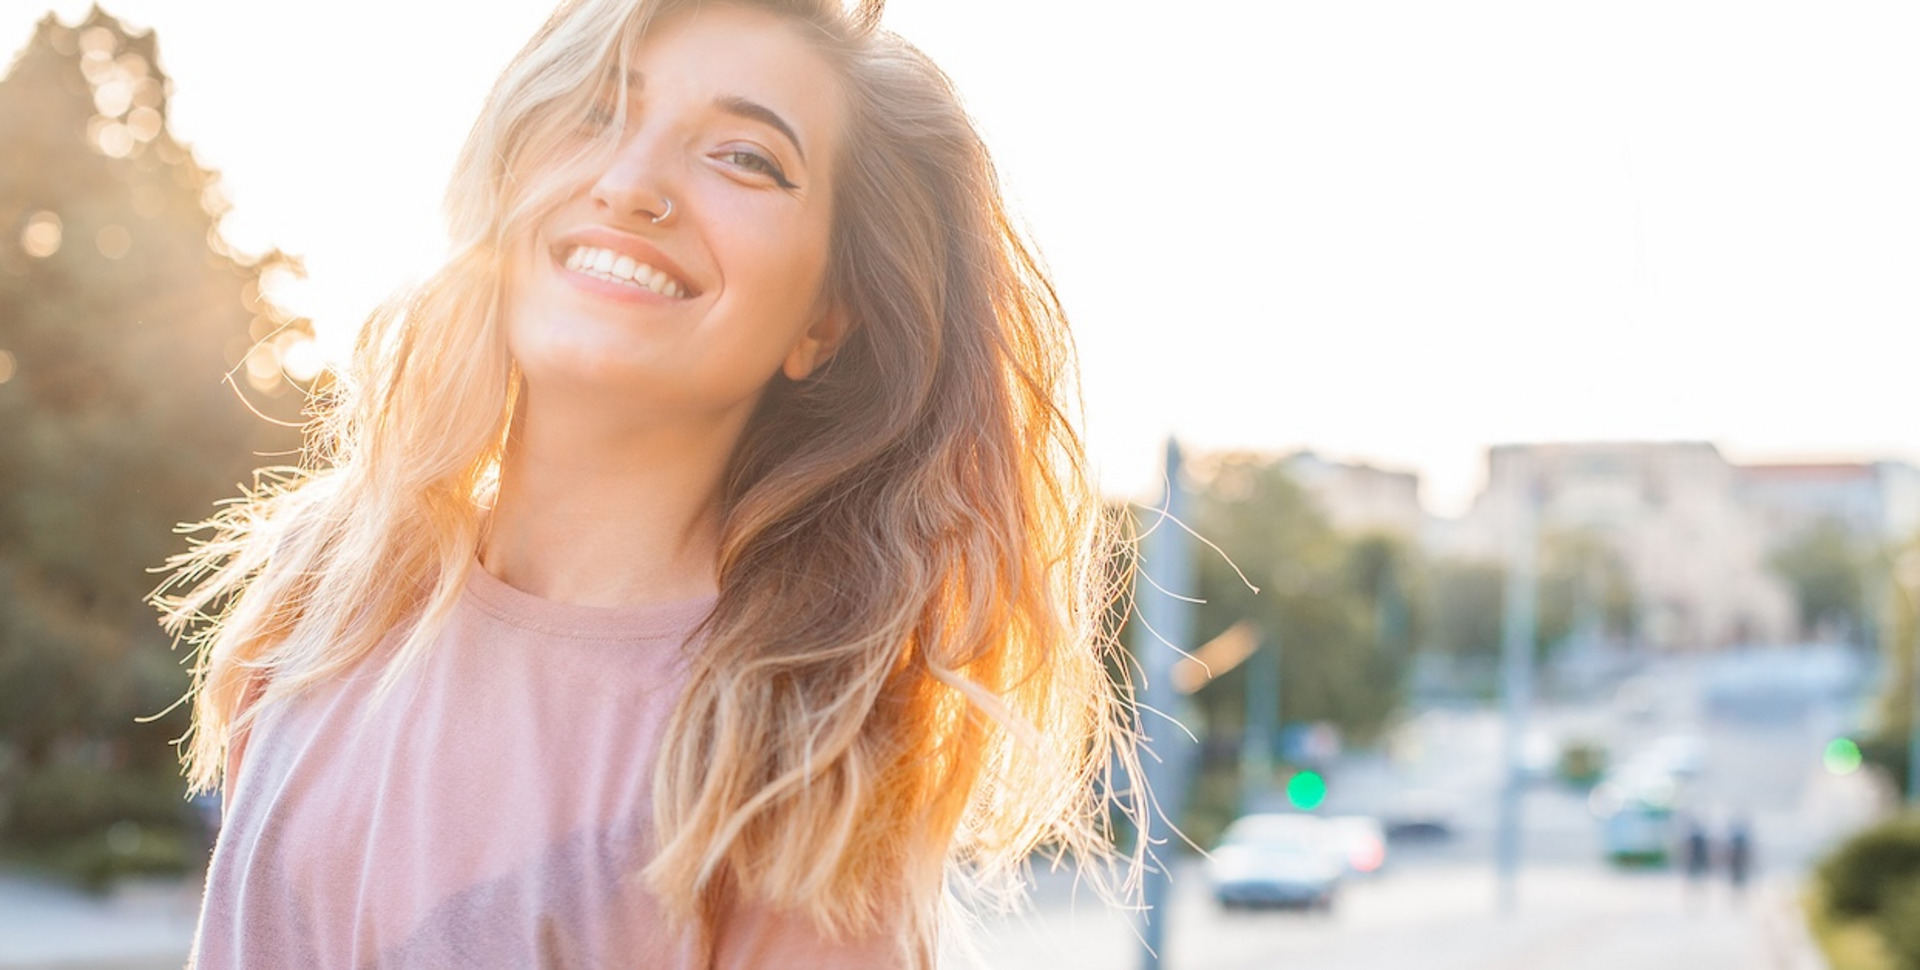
<point>623,269</point>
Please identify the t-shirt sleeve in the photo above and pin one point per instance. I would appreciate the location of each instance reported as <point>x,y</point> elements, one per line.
<point>762,939</point>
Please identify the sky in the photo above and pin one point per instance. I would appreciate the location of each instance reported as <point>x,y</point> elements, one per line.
<point>1393,232</point>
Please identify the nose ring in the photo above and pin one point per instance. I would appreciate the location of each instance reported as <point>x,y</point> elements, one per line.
<point>666,211</point>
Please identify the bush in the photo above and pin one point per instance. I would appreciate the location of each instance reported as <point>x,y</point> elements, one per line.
<point>1864,876</point>
<point>1899,925</point>
<point>125,849</point>
<point>69,802</point>
<point>1886,751</point>
<point>1582,762</point>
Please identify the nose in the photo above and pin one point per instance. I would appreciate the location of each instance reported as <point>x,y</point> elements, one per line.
<point>635,184</point>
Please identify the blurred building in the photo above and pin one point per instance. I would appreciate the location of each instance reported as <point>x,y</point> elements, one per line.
<point>1873,501</point>
<point>1358,497</point>
<point>1679,515</point>
<point>1694,531</point>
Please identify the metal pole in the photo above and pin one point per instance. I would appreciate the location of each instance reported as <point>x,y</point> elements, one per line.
<point>1516,681</point>
<point>1913,714</point>
<point>1263,725</point>
<point>1906,579</point>
<point>1166,560</point>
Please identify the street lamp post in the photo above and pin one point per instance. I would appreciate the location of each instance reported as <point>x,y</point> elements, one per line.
<point>1263,725</point>
<point>1906,574</point>
<point>1516,680</point>
<point>1166,619</point>
<point>1913,720</point>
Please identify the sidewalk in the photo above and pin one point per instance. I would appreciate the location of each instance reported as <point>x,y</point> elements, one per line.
<point>1438,919</point>
<point>141,925</point>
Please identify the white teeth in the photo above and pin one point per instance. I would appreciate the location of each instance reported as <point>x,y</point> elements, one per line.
<point>621,268</point>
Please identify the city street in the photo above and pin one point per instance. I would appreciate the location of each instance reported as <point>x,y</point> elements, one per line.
<point>1437,903</point>
<point>1437,916</point>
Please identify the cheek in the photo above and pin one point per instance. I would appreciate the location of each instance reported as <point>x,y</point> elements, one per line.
<point>770,263</point>
<point>518,304</point>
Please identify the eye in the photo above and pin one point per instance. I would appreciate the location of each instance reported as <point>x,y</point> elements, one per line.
<point>755,162</point>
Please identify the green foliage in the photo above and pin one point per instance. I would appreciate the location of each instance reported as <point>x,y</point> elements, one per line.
<point>1829,572</point>
<point>1341,609</point>
<point>1582,761</point>
<point>1864,875</point>
<point>1465,607</point>
<point>1886,748</point>
<point>1887,751</point>
<point>122,314</point>
<point>96,860</point>
<point>1899,925</point>
<point>91,825</point>
<point>1585,589</point>
<point>75,801</point>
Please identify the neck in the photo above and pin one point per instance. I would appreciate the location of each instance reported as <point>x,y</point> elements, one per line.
<point>608,514</point>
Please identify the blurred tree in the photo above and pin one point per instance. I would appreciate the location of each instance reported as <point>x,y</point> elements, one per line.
<point>1828,570</point>
<point>1465,601</point>
<point>122,315</point>
<point>1887,743</point>
<point>1586,589</point>
<point>1341,609</point>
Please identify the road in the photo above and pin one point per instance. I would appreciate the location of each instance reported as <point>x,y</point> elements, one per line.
<point>1438,905</point>
<point>1442,917</point>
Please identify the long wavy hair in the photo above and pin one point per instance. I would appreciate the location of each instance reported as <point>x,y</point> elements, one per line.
<point>908,666</point>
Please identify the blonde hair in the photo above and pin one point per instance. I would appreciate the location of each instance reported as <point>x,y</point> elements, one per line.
<point>908,664</point>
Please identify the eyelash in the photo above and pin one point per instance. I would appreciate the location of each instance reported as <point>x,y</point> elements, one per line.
<point>599,119</point>
<point>757,162</point>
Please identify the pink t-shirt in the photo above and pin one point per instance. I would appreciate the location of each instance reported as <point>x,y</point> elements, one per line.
<point>492,811</point>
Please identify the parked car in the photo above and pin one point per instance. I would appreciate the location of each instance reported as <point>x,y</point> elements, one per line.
<point>1278,859</point>
<point>1419,815</point>
<point>1636,807</point>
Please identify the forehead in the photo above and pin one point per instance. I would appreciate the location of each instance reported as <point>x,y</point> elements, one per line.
<point>720,54</point>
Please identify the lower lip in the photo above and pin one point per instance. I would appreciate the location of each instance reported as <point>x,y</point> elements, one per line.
<point>607,289</point>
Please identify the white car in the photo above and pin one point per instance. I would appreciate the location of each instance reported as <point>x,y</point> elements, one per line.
<point>1279,859</point>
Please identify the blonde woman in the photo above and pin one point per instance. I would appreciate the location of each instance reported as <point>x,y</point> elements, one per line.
<point>696,571</point>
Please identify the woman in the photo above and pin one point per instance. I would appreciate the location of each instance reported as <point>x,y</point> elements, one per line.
<point>699,565</point>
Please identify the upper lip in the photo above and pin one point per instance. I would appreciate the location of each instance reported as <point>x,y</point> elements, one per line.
<point>626,244</point>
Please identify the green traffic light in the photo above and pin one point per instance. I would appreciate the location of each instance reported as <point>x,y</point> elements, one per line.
<point>1842,756</point>
<point>1306,790</point>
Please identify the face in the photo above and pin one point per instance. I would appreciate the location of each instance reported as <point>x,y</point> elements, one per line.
<point>675,281</point>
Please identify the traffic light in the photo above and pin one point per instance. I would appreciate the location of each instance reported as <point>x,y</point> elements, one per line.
<point>1842,756</point>
<point>1306,790</point>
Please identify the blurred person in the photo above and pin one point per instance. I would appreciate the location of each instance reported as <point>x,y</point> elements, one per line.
<point>703,560</point>
<point>1696,859</point>
<point>1739,857</point>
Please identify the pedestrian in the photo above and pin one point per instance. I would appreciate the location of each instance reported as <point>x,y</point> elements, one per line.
<point>703,559</point>
<point>1739,855</point>
<point>1696,859</point>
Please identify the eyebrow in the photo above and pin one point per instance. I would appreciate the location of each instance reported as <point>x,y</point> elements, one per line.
<point>740,107</point>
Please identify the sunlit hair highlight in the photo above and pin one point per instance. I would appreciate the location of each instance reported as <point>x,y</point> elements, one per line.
<point>908,666</point>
